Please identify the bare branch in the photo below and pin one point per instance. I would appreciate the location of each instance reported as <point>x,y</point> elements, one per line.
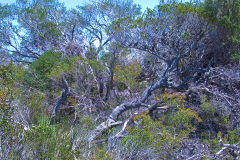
<point>63,99</point>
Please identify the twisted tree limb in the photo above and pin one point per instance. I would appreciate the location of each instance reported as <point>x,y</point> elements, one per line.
<point>63,99</point>
<point>162,82</point>
<point>234,147</point>
<point>130,121</point>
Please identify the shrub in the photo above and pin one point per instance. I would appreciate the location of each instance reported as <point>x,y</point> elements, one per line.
<point>37,74</point>
<point>46,142</point>
<point>225,14</point>
<point>127,75</point>
<point>166,133</point>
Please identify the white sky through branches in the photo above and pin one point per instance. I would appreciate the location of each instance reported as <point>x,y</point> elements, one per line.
<point>73,3</point>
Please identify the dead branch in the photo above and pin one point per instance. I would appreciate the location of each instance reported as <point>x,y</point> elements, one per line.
<point>162,82</point>
<point>234,147</point>
<point>64,97</point>
<point>102,128</point>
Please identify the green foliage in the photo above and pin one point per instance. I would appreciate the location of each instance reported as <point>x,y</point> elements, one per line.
<point>94,63</point>
<point>35,103</point>
<point>88,122</point>
<point>225,14</point>
<point>233,136</point>
<point>209,10</point>
<point>4,11</point>
<point>66,65</point>
<point>127,74</point>
<point>178,8</point>
<point>45,63</point>
<point>102,154</point>
<point>165,133</point>
<point>215,126</point>
<point>236,56</point>
<point>11,132</point>
<point>10,74</point>
<point>206,106</point>
<point>208,113</point>
<point>212,141</point>
<point>221,13</point>
<point>48,142</point>
<point>175,99</point>
<point>37,74</point>
<point>5,114</point>
<point>51,30</point>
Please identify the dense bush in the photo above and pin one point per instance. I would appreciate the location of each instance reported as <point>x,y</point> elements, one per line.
<point>37,74</point>
<point>225,14</point>
<point>105,81</point>
<point>165,133</point>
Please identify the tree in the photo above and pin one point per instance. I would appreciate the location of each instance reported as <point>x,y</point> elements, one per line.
<point>30,28</point>
<point>224,14</point>
<point>176,39</point>
<point>110,73</point>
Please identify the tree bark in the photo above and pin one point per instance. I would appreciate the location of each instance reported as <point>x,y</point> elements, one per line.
<point>64,97</point>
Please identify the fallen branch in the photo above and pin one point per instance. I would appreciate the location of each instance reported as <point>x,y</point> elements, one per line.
<point>162,82</point>
<point>234,147</point>
<point>103,127</point>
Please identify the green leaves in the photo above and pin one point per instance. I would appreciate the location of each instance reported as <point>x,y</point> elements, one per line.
<point>49,142</point>
<point>50,30</point>
<point>210,114</point>
<point>167,131</point>
<point>225,14</point>
<point>64,66</point>
<point>206,106</point>
<point>128,74</point>
<point>39,70</point>
<point>46,62</point>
